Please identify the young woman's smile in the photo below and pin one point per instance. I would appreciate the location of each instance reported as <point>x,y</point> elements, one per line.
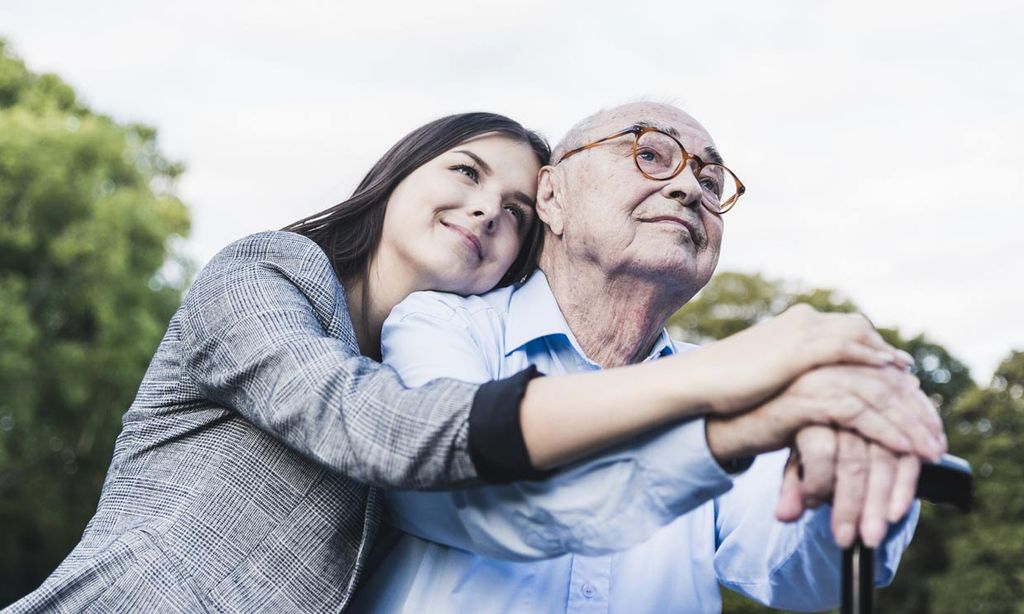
<point>467,238</point>
<point>457,223</point>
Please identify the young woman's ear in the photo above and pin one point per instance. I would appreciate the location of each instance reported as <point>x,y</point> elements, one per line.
<point>549,199</point>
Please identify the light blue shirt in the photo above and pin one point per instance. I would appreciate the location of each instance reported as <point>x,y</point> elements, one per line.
<point>652,526</point>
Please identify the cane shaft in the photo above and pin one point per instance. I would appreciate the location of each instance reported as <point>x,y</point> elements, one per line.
<point>858,579</point>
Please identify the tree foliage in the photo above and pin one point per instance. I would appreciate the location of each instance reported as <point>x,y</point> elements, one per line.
<point>985,553</point>
<point>89,276</point>
<point>956,563</point>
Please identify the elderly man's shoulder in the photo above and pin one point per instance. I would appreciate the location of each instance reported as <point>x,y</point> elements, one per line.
<point>447,306</point>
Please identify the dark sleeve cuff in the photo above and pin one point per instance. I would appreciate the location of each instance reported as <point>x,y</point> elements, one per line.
<point>737,465</point>
<point>496,444</point>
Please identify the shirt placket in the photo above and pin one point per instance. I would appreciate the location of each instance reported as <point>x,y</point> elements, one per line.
<point>589,585</point>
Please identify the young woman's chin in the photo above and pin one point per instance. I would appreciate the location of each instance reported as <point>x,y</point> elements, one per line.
<point>449,269</point>
<point>466,285</point>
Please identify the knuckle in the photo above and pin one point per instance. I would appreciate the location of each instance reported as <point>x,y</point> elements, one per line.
<point>844,508</point>
<point>879,392</point>
<point>880,398</point>
<point>863,328</point>
<point>856,468</point>
<point>855,462</point>
<point>818,450</point>
<point>848,347</point>
<point>801,309</point>
<point>854,453</point>
<point>882,456</point>
<point>902,379</point>
<point>847,406</point>
<point>862,321</point>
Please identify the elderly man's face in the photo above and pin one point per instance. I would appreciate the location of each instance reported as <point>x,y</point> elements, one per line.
<point>628,224</point>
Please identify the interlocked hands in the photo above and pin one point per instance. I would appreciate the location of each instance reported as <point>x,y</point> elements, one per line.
<point>857,423</point>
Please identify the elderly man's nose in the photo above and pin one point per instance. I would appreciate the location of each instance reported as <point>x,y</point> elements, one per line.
<point>684,187</point>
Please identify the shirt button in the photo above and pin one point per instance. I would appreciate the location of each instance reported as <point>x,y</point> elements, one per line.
<point>588,590</point>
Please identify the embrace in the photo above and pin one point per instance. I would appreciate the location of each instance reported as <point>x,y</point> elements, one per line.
<point>534,440</point>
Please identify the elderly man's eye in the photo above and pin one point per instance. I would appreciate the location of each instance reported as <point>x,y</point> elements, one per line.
<point>710,184</point>
<point>647,155</point>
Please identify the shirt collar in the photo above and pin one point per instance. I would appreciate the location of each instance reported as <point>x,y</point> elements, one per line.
<point>533,314</point>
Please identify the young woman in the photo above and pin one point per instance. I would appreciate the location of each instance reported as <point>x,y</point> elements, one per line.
<point>244,477</point>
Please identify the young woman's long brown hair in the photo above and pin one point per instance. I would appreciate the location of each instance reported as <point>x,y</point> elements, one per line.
<point>350,231</point>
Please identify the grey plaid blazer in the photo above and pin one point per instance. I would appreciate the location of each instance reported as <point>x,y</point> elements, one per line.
<point>242,480</point>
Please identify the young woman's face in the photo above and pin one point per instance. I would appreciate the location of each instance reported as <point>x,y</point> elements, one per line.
<point>456,223</point>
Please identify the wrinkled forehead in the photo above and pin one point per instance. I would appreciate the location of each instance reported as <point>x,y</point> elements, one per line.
<point>665,117</point>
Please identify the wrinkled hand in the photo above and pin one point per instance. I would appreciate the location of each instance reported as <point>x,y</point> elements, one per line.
<point>883,405</point>
<point>754,364</point>
<point>867,485</point>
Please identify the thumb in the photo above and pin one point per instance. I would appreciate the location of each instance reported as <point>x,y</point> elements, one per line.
<point>790,506</point>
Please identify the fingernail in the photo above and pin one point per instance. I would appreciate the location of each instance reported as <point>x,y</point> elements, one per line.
<point>844,535</point>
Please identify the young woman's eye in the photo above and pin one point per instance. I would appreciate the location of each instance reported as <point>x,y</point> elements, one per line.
<point>468,171</point>
<point>518,213</point>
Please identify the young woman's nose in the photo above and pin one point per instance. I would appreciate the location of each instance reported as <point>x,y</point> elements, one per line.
<point>486,213</point>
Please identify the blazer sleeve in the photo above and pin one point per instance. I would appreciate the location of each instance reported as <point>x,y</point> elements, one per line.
<point>265,331</point>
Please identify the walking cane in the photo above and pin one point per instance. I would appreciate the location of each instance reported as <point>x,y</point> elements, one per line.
<point>947,481</point>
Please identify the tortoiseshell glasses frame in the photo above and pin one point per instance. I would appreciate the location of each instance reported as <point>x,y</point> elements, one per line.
<point>706,172</point>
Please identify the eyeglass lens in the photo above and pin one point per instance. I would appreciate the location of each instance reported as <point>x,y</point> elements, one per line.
<point>659,156</point>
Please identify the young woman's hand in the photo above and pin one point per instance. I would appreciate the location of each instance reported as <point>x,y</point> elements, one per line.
<point>882,404</point>
<point>737,377</point>
<point>748,367</point>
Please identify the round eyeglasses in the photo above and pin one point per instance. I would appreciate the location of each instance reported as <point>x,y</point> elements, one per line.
<point>660,156</point>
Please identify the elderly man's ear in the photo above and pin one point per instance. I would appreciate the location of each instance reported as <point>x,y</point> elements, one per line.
<point>549,199</point>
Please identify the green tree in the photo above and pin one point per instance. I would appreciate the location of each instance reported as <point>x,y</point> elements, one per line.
<point>946,381</point>
<point>735,301</point>
<point>984,571</point>
<point>89,276</point>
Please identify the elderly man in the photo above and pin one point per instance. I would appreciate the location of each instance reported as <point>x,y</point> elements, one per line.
<point>633,230</point>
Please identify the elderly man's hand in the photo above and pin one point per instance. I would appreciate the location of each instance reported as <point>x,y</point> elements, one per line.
<point>884,405</point>
<point>750,366</point>
<point>868,485</point>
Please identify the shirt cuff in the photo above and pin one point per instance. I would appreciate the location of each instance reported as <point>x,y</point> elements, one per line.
<point>682,472</point>
<point>496,444</point>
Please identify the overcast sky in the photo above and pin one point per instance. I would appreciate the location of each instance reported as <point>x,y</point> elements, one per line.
<point>881,143</point>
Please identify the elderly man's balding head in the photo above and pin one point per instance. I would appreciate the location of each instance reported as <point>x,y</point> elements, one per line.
<point>601,211</point>
<point>591,128</point>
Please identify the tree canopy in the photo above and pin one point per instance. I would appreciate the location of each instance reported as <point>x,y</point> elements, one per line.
<point>90,274</point>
